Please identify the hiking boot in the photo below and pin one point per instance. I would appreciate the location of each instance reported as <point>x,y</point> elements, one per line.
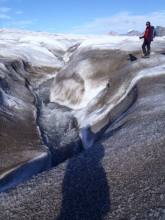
<point>148,54</point>
<point>144,56</point>
<point>145,53</point>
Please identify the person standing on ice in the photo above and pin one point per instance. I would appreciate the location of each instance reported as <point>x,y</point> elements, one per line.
<point>148,36</point>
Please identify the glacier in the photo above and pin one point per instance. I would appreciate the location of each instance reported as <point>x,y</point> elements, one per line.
<point>81,127</point>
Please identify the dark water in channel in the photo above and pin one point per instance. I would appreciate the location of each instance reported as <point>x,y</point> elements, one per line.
<point>58,126</point>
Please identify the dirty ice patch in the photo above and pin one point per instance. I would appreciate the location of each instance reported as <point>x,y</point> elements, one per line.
<point>99,114</point>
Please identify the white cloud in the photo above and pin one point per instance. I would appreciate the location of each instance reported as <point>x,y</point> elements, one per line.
<point>19,24</point>
<point>3,16</point>
<point>22,23</point>
<point>4,9</point>
<point>121,23</point>
<point>19,12</point>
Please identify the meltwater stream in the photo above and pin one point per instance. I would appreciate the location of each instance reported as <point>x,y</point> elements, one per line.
<point>57,125</point>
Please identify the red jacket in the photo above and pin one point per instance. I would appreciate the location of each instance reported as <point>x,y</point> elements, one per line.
<point>148,34</point>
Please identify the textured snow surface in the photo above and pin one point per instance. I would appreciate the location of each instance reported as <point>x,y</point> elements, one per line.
<point>59,92</point>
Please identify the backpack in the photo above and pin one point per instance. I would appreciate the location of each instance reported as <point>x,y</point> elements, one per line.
<point>154,32</point>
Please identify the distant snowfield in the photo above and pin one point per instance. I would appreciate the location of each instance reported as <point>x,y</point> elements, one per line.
<point>16,38</point>
<point>44,49</point>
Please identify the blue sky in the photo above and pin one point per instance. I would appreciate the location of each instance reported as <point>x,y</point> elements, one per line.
<point>81,16</point>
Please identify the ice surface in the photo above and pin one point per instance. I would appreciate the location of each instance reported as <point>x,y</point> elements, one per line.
<point>85,68</point>
<point>122,93</point>
<point>80,67</point>
<point>58,126</point>
<point>109,87</point>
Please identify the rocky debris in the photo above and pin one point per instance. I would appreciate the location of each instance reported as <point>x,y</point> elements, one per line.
<point>160,31</point>
<point>129,33</point>
<point>133,33</point>
<point>113,33</point>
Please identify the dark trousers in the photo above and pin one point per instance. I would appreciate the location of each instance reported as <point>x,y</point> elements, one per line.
<point>146,44</point>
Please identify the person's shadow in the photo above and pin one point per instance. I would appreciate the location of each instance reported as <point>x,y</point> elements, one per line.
<point>85,187</point>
